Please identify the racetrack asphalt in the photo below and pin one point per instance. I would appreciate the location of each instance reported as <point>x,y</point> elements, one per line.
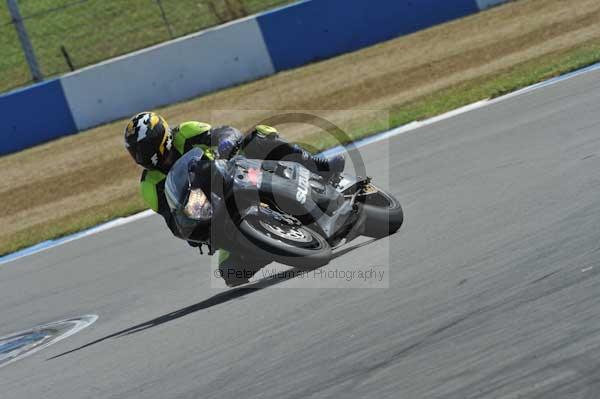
<point>493,284</point>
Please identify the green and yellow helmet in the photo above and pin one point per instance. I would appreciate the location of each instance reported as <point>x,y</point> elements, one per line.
<point>149,140</point>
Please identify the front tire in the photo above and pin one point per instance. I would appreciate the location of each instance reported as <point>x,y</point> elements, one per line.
<point>384,214</point>
<point>284,240</point>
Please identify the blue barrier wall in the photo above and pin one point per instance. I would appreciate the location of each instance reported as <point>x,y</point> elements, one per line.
<point>317,29</point>
<point>34,115</point>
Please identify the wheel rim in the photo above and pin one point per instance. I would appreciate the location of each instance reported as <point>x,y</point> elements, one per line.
<point>290,233</point>
<point>284,228</point>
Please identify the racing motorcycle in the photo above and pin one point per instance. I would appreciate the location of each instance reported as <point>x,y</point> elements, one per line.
<point>275,210</point>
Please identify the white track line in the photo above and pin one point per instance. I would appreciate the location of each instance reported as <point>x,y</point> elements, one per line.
<point>63,240</point>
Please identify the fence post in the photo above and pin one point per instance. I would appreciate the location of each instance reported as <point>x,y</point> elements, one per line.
<point>164,17</point>
<point>17,20</point>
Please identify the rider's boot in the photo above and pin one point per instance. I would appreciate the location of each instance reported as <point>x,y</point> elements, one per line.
<point>237,270</point>
<point>327,167</point>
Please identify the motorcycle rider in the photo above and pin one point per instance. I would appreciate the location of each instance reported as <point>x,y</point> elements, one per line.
<point>156,147</point>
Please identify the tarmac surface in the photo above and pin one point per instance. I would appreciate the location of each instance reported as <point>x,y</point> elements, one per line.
<point>492,284</point>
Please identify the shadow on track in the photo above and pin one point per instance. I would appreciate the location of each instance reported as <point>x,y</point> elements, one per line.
<point>207,303</point>
<point>338,253</point>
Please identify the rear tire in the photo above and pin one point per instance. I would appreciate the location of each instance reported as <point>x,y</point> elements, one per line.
<point>288,243</point>
<point>384,214</point>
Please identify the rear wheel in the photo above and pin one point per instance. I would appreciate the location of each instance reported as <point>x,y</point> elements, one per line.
<point>384,214</point>
<point>284,239</point>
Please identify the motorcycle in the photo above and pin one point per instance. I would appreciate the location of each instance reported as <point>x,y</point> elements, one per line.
<point>275,210</point>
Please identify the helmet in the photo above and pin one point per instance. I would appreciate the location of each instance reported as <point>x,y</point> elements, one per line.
<point>149,140</point>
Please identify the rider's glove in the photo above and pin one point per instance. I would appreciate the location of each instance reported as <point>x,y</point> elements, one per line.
<point>226,148</point>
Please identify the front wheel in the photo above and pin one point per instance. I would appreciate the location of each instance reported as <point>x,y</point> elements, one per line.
<point>283,239</point>
<point>384,214</point>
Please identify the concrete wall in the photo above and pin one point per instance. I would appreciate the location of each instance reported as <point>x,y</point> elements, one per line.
<point>213,59</point>
<point>167,73</point>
